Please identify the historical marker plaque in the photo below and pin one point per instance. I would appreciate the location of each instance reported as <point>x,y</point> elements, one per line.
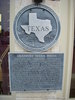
<point>36,28</point>
<point>32,72</point>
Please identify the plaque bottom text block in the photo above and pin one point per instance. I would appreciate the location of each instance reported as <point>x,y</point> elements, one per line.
<point>35,72</point>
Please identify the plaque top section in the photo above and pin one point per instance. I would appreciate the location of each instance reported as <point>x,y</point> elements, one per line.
<point>36,72</point>
<point>36,28</point>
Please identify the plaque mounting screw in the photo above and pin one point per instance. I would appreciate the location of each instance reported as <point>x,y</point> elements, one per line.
<point>37,1</point>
